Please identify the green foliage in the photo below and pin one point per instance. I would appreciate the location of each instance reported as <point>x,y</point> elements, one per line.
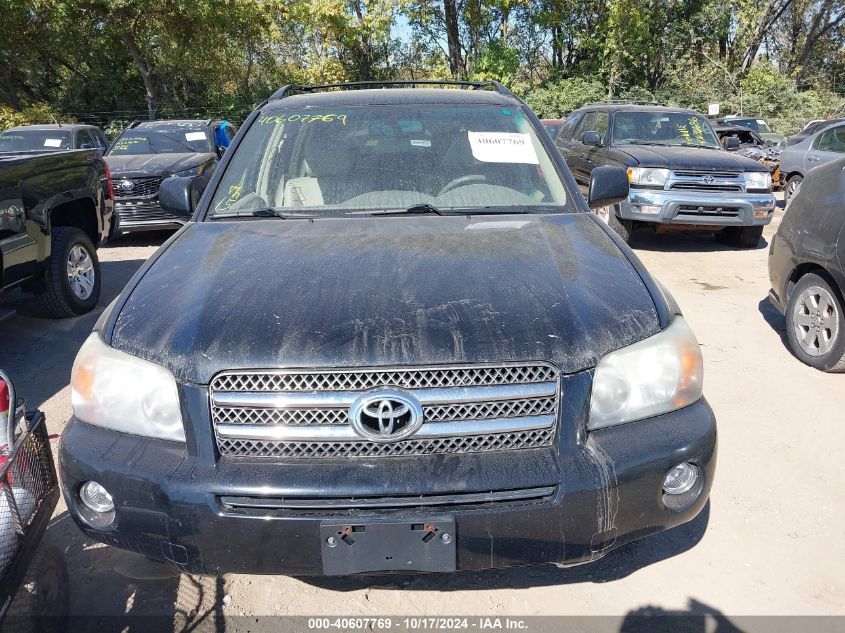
<point>497,61</point>
<point>30,115</point>
<point>557,99</point>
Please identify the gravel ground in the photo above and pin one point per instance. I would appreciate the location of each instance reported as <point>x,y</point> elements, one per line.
<point>771,541</point>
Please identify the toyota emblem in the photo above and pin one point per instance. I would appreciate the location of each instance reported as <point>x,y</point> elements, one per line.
<point>708,180</point>
<point>126,185</point>
<point>386,415</point>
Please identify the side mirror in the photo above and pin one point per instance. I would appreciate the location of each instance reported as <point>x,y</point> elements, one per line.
<point>177,195</point>
<point>731,143</point>
<point>591,138</point>
<point>608,185</point>
<point>220,150</point>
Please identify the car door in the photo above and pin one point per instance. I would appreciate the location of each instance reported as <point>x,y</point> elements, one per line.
<point>579,155</point>
<point>597,156</point>
<point>827,146</point>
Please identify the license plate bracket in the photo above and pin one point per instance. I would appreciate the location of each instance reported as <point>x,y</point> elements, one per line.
<point>374,546</point>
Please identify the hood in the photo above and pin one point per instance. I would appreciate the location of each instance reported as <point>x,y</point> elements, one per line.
<point>130,165</point>
<point>692,158</point>
<point>275,293</point>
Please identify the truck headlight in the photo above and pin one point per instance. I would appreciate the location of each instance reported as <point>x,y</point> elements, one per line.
<point>758,180</point>
<point>648,176</point>
<point>659,374</point>
<point>191,171</point>
<point>121,392</point>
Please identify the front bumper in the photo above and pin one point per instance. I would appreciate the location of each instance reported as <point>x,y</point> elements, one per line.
<point>601,491</point>
<point>695,208</point>
<point>145,214</point>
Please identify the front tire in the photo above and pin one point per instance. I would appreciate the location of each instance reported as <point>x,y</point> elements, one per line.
<point>741,236</point>
<point>623,228</point>
<point>815,323</point>
<point>72,283</point>
<point>792,186</point>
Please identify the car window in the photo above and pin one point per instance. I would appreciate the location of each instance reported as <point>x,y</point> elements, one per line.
<point>601,124</point>
<point>832,140</point>
<point>84,140</point>
<point>587,124</point>
<point>663,128</point>
<point>100,139</point>
<point>34,140</point>
<point>162,140</point>
<point>361,159</point>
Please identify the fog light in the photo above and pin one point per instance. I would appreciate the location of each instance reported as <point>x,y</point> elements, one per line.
<point>680,479</point>
<point>95,497</point>
<point>650,209</point>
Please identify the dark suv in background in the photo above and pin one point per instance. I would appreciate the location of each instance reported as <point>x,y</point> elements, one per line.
<point>146,153</point>
<point>681,176</point>
<point>52,138</point>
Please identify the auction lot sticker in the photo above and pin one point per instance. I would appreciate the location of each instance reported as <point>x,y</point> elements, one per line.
<point>502,147</point>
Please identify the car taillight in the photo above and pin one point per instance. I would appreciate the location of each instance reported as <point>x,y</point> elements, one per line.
<point>109,185</point>
<point>4,399</point>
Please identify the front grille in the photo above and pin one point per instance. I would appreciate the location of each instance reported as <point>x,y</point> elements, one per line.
<point>721,175</point>
<point>708,211</point>
<point>702,186</point>
<point>141,187</point>
<point>304,414</point>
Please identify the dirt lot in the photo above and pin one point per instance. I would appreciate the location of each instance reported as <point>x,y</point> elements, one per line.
<point>770,543</point>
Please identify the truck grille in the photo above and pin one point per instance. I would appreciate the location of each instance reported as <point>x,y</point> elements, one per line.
<point>144,211</point>
<point>701,186</point>
<point>304,414</point>
<point>141,187</point>
<point>707,181</point>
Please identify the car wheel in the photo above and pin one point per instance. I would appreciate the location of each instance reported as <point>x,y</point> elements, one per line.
<point>815,323</point>
<point>623,228</point>
<point>792,186</point>
<point>73,275</point>
<point>741,236</point>
<point>42,601</point>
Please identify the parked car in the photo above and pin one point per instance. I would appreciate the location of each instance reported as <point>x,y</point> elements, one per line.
<point>393,338</point>
<point>807,269</point>
<point>824,146</point>
<point>553,126</point>
<point>680,175</point>
<point>751,145</point>
<point>146,153</point>
<point>28,139</point>
<point>811,128</point>
<point>55,210</point>
<point>760,126</point>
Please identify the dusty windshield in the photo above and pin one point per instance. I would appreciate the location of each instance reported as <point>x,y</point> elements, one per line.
<point>364,159</point>
<point>663,128</point>
<point>34,140</point>
<point>163,140</point>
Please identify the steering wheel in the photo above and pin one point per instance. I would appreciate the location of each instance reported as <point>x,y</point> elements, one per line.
<point>462,181</point>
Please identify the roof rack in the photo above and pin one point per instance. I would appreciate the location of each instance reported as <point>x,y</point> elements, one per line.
<point>286,91</point>
<point>625,102</point>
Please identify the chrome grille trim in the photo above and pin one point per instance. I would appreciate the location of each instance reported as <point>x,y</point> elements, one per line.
<point>331,399</point>
<point>299,413</point>
<point>345,433</point>
<point>471,444</point>
<point>365,378</point>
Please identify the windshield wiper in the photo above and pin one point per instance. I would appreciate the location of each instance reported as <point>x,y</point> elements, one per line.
<point>266,212</point>
<point>422,207</point>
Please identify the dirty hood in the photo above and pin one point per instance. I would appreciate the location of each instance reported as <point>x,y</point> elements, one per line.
<point>385,291</point>
<point>691,158</point>
<point>128,165</point>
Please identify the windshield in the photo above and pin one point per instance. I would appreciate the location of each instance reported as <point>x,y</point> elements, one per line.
<point>758,125</point>
<point>34,140</point>
<point>381,158</point>
<point>553,128</point>
<point>164,140</point>
<point>663,128</point>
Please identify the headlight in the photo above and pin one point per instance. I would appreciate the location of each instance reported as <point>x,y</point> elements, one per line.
<point>193,171</point>
<point>758,180</point>
<point>648,176</point>
<point>655,376</point>
<point>118,391</point>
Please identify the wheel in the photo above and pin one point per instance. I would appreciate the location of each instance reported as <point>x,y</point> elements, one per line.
<point>623,228</point>
<point>73,275</point>
<point>792,186</point>
<point>41,602</point>
<point>815,323</point>
<point>741,236</point>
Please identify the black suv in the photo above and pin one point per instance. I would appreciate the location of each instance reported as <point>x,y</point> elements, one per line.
<point>680,174</point>
<point>52,138</point>
<point>398,341</point>
<point>146,153</point>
